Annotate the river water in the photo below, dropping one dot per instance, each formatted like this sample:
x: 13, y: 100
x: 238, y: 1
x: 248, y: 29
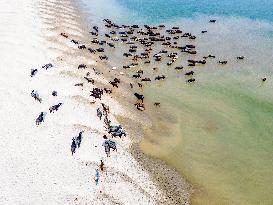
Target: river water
x: 217, y: 132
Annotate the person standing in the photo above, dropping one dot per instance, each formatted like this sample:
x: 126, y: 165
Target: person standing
x: 79, y: 139
x: 97, y: 177
x: 101, y: 165
x: 73, y: 146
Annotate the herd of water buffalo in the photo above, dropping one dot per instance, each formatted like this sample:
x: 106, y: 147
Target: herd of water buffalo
x: 145, y: 44
x: 113, y: 130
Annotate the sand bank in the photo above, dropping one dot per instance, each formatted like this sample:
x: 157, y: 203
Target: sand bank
x: 36, y: 162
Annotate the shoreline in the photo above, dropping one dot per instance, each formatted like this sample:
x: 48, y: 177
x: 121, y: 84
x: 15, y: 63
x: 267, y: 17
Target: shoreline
x: 127, y: 178
x: 176, y: 188
x: 170, y: 180
x: 167, y: 182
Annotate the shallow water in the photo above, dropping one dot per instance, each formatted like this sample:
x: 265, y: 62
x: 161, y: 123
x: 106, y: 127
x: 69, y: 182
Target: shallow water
x: 218, y: 131
x: 219, y: 135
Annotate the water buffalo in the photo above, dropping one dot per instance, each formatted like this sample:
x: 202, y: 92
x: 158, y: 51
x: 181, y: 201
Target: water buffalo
x: 55, y: 107
x: 40, y: 118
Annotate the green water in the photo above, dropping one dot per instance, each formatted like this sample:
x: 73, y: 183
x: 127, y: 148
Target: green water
x: 218, y: 133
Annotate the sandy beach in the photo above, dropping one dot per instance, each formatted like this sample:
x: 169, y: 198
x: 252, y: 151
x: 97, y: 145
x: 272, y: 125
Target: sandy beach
x: 136, y: 102
x: 36, y: 162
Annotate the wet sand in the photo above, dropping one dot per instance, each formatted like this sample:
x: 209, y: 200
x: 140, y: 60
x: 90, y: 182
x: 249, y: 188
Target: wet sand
x: 176, y: 188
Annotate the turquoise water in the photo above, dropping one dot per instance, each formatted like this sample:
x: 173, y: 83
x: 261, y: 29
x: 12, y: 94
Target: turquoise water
x: 219, y: 131
x: 161, y: 10
x: 157, y: 11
